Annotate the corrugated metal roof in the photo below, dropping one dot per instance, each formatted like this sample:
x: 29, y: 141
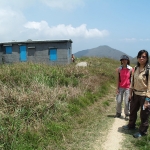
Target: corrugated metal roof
x: 36, y: 41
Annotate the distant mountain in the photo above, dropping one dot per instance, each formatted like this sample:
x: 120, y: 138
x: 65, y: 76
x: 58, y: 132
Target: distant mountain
x: 101, y: 51
x: 134, y: 61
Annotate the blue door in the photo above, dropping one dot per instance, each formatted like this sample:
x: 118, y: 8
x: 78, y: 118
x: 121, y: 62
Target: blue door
x: 23, y: 53
x: 53, y: 54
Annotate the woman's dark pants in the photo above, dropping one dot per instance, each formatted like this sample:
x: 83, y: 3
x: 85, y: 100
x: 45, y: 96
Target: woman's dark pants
x: 137, y: 103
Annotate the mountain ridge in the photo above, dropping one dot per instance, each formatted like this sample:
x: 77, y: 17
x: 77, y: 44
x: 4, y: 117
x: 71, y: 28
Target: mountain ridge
x: 101, y: 51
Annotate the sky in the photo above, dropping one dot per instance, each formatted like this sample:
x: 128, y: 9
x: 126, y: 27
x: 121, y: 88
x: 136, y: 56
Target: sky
x: 121, y: 24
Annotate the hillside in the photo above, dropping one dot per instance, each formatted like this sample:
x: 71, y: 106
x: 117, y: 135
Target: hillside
x: 59, y: 107
x: 43, y: 106
x: 101, y: 51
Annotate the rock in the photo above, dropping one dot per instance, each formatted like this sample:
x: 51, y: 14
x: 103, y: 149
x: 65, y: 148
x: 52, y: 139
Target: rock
x: 82, y: 64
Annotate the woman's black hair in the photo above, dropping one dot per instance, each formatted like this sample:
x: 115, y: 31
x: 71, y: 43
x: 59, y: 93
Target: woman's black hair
x: 139, y: 55
x: 128, y: 62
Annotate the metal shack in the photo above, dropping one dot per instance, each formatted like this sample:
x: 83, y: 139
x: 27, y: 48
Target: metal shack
x: 47, y: 51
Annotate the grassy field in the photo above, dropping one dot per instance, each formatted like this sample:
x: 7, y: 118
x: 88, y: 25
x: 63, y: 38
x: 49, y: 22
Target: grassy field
x: 56, y: 107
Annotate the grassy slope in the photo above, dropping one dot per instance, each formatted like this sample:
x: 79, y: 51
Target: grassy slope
x: 136, y: 144
x: 55, y: 107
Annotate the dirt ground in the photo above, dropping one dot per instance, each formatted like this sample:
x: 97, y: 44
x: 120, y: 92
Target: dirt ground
x: 114, y: 137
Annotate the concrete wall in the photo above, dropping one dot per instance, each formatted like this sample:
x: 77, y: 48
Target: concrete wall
x: 38, y: 52
x: 1, y: 54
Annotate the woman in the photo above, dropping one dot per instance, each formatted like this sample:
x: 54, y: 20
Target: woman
x: 140, y: 95
x: 124, y: 73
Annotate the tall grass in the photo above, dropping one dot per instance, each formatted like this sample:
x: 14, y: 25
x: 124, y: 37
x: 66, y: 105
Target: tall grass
x: 38, y: 102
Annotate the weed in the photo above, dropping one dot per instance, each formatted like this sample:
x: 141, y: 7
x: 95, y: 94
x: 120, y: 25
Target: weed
x: 106, y: 103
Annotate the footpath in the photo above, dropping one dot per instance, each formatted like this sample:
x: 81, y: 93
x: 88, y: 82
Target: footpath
x: 115, y: 137
x: 105, y: 132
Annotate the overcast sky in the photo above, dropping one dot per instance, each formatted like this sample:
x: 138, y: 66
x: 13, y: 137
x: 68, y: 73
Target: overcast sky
x: 121, y: 24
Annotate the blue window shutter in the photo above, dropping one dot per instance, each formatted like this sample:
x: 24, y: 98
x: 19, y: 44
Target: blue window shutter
x: 8, y: 49
x: 53, y: 54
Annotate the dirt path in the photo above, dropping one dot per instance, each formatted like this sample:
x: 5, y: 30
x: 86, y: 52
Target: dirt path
x: 115, y: 137
x: 107, y: 130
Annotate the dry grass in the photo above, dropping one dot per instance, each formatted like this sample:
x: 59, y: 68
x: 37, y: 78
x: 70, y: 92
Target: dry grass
x: 40, y: 104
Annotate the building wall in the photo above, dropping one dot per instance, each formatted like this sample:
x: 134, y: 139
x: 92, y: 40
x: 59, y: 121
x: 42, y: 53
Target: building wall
x: 1, y: 54
x: 39, y: 52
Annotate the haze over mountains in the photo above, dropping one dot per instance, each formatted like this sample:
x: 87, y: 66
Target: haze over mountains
x: 101, y: 51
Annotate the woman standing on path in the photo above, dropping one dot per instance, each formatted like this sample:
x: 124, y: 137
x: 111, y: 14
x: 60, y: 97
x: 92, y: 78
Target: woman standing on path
x: 140, y: 95
x: 124, y: 73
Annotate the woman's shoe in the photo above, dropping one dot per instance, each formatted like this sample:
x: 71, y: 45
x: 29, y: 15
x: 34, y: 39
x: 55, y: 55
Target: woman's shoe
x: 128, y: 128
x: 137, y: 135
x: 118, y: 115
x: 126, y: 117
